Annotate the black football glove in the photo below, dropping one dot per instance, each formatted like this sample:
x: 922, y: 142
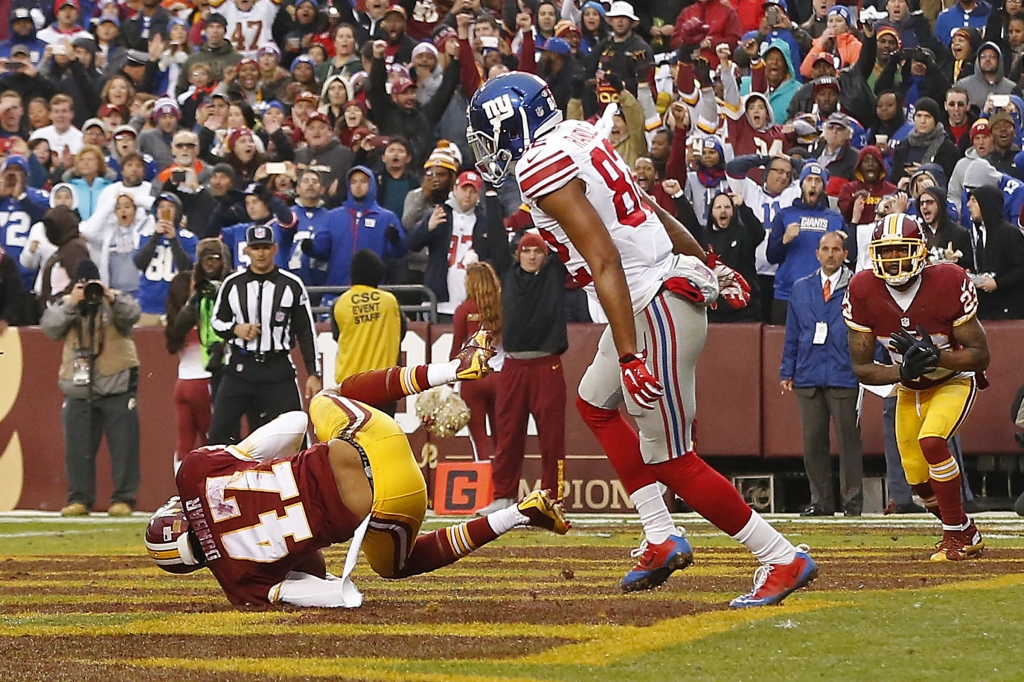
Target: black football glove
x: 306, y: 247
x: 917, y: 362
x: 903, y: 340
x: 615, y: 81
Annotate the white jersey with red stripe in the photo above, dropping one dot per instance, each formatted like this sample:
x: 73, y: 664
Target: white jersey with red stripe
x: 576, y: 149
x: 248, y: 30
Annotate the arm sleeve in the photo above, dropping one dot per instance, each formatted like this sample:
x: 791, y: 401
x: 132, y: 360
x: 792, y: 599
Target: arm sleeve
x: 127, y: 312
x: 181, y: 258
x: 468, y: 73
x: 57, y: 319
x: 866, y: 59
x: 378, y: 97
x: 776, y: 251
x: 789, y: 348
x: 439, y: 102
x: 528, y: 54
x: 145, y: 254
x: 284, y: 150
x: 634, y: 115
x: 223, y: 321
x: 302, y: 319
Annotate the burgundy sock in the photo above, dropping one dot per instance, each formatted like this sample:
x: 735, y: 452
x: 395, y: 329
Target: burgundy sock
x: 620, y: 442
x: 927, y: 495
x: 706, y: 491
x: 945, y: 480
x: 446, y: 546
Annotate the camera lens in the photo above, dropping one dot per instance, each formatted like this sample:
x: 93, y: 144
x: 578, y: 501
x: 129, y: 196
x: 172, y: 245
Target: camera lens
x: 93, y: 293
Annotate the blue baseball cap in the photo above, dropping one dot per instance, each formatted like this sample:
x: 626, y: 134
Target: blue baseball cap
x: 814, y: 168
x: 780, y: 3
x: 558, y: 46
x: 16, y: 160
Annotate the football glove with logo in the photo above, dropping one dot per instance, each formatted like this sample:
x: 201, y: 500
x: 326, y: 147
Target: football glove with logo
x: 639, y: 382
x: 920, y: 355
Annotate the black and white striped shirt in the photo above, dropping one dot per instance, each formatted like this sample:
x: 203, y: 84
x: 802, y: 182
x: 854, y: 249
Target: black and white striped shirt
x: 278, y: 302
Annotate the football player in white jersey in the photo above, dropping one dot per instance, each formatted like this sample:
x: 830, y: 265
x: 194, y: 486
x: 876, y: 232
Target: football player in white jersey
x: 590, y: 211
x: 249, y: 23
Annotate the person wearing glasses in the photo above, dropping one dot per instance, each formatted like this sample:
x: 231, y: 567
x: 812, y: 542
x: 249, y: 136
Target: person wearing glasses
x: 959, y: 117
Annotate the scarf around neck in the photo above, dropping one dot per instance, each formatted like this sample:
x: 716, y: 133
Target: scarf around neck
x: 917, y: 139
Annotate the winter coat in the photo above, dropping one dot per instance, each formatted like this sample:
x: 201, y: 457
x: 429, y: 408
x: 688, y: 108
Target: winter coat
x: 778, y: 99
x: 59, y: 270
x: 1002, y: 256
x: 809, y: 364
x: 332, y: 162
x: 845, y: 44
x: 355, y: 225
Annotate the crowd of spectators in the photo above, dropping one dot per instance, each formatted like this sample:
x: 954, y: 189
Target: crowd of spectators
x: 353, y: 115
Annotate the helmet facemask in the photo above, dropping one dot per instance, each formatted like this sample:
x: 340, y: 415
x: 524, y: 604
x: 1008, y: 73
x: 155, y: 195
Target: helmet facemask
x: 915, y: 255
x: 493, y: 164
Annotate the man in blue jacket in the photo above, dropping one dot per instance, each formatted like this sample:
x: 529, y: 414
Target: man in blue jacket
x: 794, y: 235
x: 816, y: 367
x: 359, y: 223
x: 23, y: 32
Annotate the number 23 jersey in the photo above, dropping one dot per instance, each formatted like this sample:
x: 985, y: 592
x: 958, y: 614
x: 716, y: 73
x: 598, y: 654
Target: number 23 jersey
x: 942, y: 298
x: 576, y: 149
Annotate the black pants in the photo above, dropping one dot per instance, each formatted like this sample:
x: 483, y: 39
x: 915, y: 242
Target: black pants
x: 259, y: 390
x: 85, y: 422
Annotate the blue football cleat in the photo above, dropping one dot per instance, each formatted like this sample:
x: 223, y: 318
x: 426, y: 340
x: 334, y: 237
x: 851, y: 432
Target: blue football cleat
x: 657, y: 562
x: 775, y: 582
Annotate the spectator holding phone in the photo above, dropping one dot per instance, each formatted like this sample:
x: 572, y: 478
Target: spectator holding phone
x: 988, y: 77
x: 169, y: 248
x: 835, y: 39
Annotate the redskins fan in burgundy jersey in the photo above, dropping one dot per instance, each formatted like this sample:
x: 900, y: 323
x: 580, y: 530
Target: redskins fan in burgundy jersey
x: 257, y: 514
x: 938, y: 366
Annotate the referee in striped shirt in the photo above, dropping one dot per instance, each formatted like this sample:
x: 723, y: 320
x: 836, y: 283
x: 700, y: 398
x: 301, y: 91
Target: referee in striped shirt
x: 261, y: 312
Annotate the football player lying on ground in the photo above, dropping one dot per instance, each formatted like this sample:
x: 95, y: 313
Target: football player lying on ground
x: 257, y: 514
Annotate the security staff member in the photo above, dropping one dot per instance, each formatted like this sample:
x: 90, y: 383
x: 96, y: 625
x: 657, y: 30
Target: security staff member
x: 259, y: 312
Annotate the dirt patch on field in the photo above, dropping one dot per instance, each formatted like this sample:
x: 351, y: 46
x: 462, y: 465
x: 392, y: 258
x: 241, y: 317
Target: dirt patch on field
x: 544, y: 585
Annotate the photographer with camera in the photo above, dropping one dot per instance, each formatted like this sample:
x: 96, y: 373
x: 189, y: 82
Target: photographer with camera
x: 99, y: 373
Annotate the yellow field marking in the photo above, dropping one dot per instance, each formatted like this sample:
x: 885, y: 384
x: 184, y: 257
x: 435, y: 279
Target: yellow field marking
x: 361, y: 668
x: 277, y: 623
x: 630, y: 642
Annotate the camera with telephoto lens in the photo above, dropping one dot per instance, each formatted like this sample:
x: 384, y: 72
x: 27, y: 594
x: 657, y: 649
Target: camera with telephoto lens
x: 93, y: 294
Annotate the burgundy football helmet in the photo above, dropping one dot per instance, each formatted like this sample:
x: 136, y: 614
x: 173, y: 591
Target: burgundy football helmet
x: 169, y: 542
x: 901, y: 231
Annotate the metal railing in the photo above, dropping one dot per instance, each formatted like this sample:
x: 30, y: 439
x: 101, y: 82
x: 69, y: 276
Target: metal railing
x: 427, y: 308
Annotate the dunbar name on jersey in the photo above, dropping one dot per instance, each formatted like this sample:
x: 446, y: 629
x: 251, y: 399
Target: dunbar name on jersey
x: 576, y: 149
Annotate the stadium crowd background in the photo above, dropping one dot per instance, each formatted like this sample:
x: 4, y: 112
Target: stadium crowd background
x: 342, y: 127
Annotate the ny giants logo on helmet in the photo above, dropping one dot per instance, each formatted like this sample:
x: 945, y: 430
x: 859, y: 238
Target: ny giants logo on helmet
x: 498, y: 110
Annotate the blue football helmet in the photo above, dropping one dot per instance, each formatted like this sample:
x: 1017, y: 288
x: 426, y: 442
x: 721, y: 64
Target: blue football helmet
x: 506, y: 115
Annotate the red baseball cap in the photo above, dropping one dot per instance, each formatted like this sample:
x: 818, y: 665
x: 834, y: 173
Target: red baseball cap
x: 60, y: 3
x: 402, y: 84
x: 470, y: 178
x: 318, y: 116
x: 397, y: 8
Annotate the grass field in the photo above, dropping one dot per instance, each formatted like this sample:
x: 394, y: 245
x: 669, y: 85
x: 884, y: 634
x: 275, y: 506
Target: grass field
x: 80, y: 601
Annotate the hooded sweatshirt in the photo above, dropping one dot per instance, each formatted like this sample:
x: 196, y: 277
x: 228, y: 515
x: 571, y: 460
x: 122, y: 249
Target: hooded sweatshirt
x: 978, y: 88
x: 981, y: 173
x: 757, y: 81
x: 999, y: 252
x: 61, y: 225
x: 948, y: 238
x: 355, y: 225
x: 743, y: 136
x: 35, y: 46
x: 865, y: 225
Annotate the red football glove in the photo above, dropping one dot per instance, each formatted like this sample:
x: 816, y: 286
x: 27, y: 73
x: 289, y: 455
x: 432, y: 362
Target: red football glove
x: 642, y: 386
x: 681, y: 286
x: 731, y: 285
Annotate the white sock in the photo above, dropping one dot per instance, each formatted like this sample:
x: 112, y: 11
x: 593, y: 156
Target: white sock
x: 654, y: 516
x: 504, y: 520
x: 439, y: 373
x: 767, y: 544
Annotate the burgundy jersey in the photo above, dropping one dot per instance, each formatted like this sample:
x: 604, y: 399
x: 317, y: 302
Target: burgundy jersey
x: 941, y: 298
x: 258, y: 521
